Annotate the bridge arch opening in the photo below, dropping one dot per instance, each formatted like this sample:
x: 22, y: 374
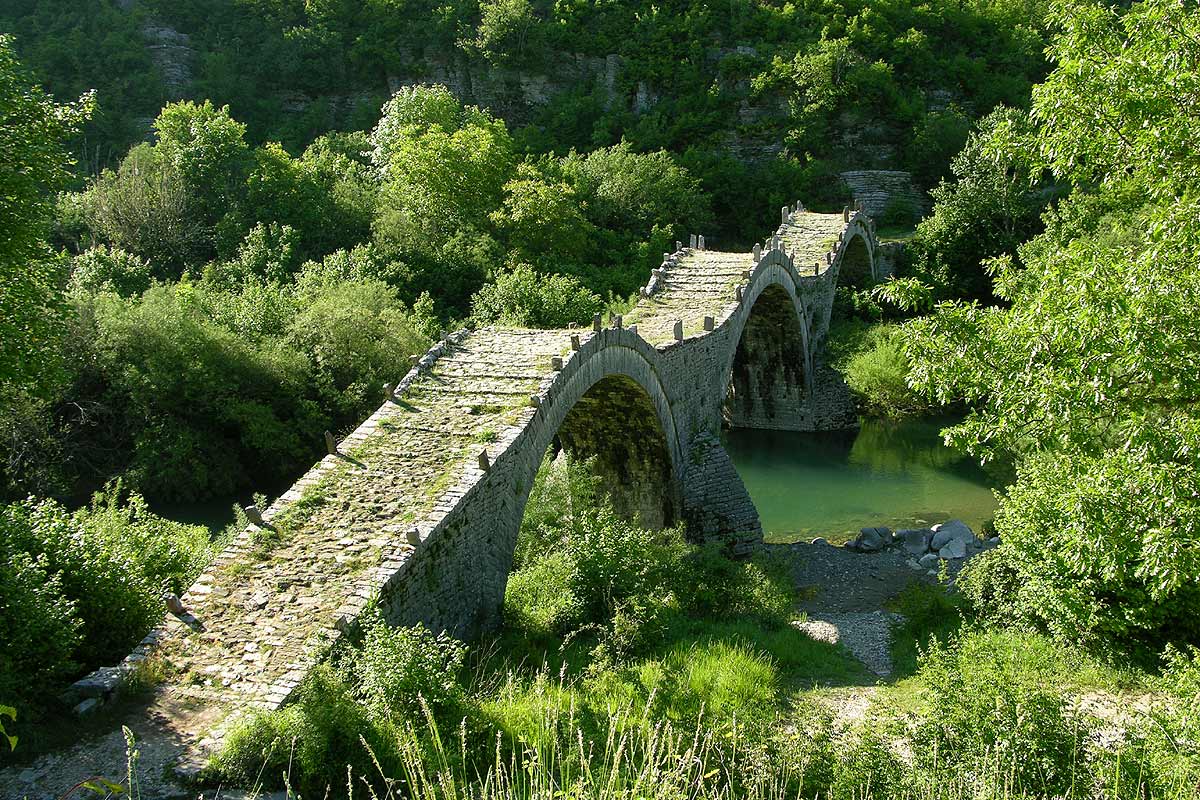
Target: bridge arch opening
x: 857, y: 269
x: 615, y: 426
x: 768, y: 380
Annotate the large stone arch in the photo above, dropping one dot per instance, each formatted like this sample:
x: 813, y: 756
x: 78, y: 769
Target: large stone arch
x: 610, y: 402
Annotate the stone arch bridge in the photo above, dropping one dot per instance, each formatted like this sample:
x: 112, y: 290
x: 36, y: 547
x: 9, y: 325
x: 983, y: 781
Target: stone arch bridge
x: 420, y: 506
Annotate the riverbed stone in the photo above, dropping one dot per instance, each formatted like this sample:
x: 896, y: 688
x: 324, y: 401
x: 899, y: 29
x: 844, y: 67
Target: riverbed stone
x: 871, y: 540
x: 948, y: 531
x: 955, y: 548
x: 915, y: 540
x: 928, y: 561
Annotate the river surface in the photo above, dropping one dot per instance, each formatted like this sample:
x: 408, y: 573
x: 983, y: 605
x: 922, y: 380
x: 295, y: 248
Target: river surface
x: 831, y: 484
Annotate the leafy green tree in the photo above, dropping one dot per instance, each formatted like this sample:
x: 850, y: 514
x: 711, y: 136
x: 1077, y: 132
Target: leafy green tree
x: 444, y: 169
x: 144, y: 207
x: 632, y: 191
x: 109, y: 269
x: 1088, y: 373
x: 525, y: 298
x: 541, y: 218
x: 208, y: 149
x: 33, y: 164
x: 506, y: 28
x: 990, y: 208
x: 326, y: 196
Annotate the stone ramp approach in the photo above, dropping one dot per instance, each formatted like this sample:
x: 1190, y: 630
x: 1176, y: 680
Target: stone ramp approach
x: 419, y: 509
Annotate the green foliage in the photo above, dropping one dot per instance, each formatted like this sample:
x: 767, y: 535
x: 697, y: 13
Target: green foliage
x: 506, y: 28
x: 522, y: 297
x: 1081, y: 374
x: 541, y: 219
x: 443, y: 166
x: 1090, y: 551
x: 878, y: 375
x: 109, y: 269
x: 144, y: 207
x: 991, y: 207
x: 203, y: 409
x: 39, y: 625
x: 208, y: 149
x: 33, y: 161
x: 81, y: 589
x: 399, y: 672
x: 994, y: 709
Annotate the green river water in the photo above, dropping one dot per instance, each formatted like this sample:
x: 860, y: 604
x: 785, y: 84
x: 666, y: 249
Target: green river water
x: 832, y: 484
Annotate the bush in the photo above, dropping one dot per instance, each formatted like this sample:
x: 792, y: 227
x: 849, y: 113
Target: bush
x: 996, y: 714
x: 310, y: 746
x: 102, y: 574
x: 524, y: 298
x: 1090, y: 549
x: 38, y: 627
x: 109, y: 269
x: 204, y: 411
x: 396, y: 671
x: 878, y: 375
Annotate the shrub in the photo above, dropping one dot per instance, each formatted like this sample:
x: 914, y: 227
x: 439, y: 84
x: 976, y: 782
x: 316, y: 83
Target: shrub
x: 86, y: 587
x: 395, y: 671
x: 878, y: 375
x: 38, y: 627
x: 310, y: 746
x: 996, y: 713
x: 540, y: 598
x: 109, y: 269
x: 1090, y: 548
x: 525, y: 298
x: 202, y: 409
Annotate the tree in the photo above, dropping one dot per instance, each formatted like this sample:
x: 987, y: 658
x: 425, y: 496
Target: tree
x: 524, y: 298
x: 33, y: 164
x: 542, y: 218
x: 505, y: 29
x: 444, y: 168
x: 208, y: 148
x: 1089, y: 376
x: 144, y: 207
x: 990, y: 208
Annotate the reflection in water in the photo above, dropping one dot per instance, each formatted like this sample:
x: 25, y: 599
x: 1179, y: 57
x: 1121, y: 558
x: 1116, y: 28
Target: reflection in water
x: 832, y: 484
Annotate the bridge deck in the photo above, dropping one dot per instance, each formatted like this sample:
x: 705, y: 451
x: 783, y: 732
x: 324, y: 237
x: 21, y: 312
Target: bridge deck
x: 270, y: 603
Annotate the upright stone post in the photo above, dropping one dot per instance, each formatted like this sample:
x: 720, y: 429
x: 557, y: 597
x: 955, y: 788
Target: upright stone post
x: 692, y: 241
x: 575, y: 341
x: 331, y: 444
x: 709, y: 324
x: 757, y: 252
x: 677, y: 330
x: 845, y: 213
x: 596, y: 323
x: 700, y: 242
x: 255, y: 516
x: 784, y: 215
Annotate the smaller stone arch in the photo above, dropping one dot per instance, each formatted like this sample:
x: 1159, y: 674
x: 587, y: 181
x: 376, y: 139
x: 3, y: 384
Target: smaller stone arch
x: 767, y: 375
x: 856, y: 264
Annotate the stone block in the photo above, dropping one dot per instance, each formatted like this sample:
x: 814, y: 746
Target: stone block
x: 915, y: 540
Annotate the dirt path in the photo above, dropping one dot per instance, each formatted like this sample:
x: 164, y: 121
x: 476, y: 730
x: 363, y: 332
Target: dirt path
x: 845, y: 596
